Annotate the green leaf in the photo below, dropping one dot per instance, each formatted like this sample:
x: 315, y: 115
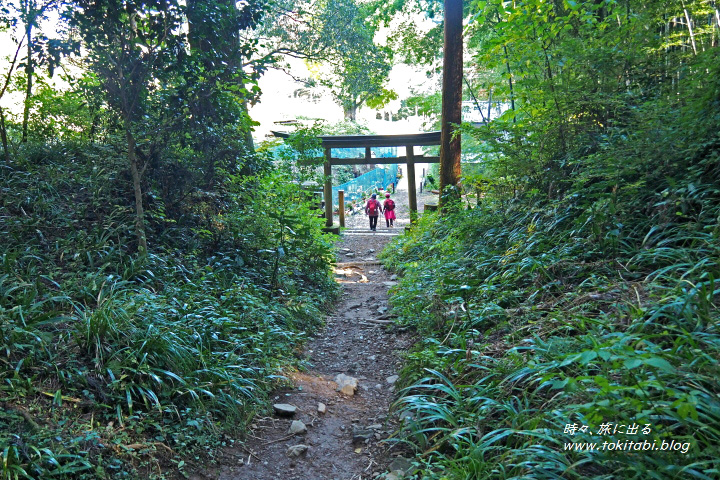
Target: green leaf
x: 660, y: 363
x: 558, y: 384
x: 631, y: 363
x: 588, y: 356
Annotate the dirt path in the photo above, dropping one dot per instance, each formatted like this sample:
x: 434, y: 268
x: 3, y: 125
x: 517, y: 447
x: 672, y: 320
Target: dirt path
x: 359, y: 341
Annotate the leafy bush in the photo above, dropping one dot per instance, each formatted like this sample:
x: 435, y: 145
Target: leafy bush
x: 108, y: 355
x: 582, y: 290
x: 533, y: 323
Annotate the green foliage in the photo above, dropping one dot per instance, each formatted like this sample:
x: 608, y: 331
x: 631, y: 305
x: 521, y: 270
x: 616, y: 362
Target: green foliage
x: 304, y: 152
x: 582, y: 289
x: 112, y: 364
x: 411, y: 39
x: 359, y: 73
x: 301, y: 152
x: 534, y: 322
x: 106, y: 356
x: 339, y: 35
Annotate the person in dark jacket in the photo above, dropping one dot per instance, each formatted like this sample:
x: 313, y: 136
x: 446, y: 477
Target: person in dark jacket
x: 372, y: 210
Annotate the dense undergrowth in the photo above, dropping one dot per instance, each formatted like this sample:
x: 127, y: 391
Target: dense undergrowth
x: 540, y: 317
x: 533, y: 328
x: 118, y: 364
x: 577, y: 302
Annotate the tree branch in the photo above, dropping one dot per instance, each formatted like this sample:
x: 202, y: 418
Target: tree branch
x: 12, y: 66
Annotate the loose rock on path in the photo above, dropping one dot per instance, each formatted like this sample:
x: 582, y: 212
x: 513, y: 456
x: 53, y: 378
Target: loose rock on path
x: 342, y: 402
x: 344, y: 398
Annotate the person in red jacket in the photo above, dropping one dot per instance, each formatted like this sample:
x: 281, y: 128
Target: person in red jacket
x: 372, y: 209
x: 389, y: 209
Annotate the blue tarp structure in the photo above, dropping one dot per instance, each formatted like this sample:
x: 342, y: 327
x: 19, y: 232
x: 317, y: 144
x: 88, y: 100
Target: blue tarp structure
x: 378, y: 152
x: 380, y: 177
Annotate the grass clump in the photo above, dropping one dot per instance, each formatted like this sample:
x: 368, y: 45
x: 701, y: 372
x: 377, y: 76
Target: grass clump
x: 116, y: 365
x: 571, y: 305
x: 537, y: 339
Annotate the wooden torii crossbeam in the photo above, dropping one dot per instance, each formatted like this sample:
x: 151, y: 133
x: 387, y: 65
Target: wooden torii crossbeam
x: 408, y: 141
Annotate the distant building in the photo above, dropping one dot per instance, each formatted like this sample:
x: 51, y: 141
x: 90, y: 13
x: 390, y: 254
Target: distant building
x: 472, y: 114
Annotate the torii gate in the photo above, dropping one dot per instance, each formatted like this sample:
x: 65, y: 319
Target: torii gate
x: 367, y: 142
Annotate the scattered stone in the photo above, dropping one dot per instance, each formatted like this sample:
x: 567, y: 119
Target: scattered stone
x: 369, y: 259
x: 382, y: 310
x: 389, y: 284
x: 349, y: 254
x: 345, y: 249
x: 375, y: 426
x: 393, y: 476
x: 393, y: 278
x: 297, y: 427
x: 371, y: 250
x: 362, y: 434
x: 346, y: 384
x: 392, y: 379
x: 372, y: 358
x: 401, y: 464
x: 321, y: 407
x: 297, y: 450
x: 285, y: 409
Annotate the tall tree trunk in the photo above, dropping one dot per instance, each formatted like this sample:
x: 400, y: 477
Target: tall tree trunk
x: 512, y: 92
x: 29, y: 66
x: 6, y: 83
x: 136, y: 173
x: 350, y: 113
x: 716, y: 24
x: 561, y: 118
x: 451, y: 101
x: 489, y: 105
x: 690, y: 29
x: 3, y: 135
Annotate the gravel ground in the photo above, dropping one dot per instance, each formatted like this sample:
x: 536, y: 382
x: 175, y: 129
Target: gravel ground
x: 359, y: 341
x: 359, y: 220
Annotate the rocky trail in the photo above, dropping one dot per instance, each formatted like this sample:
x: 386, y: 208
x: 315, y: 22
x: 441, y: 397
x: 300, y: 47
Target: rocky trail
x: 332, y: 423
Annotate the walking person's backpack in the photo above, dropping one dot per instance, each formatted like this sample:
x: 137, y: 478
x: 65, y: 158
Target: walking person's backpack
x: 389, y: 204
x: 372, y: 207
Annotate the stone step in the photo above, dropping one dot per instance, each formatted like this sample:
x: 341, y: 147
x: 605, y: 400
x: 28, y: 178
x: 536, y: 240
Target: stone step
x: 385, y: 233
